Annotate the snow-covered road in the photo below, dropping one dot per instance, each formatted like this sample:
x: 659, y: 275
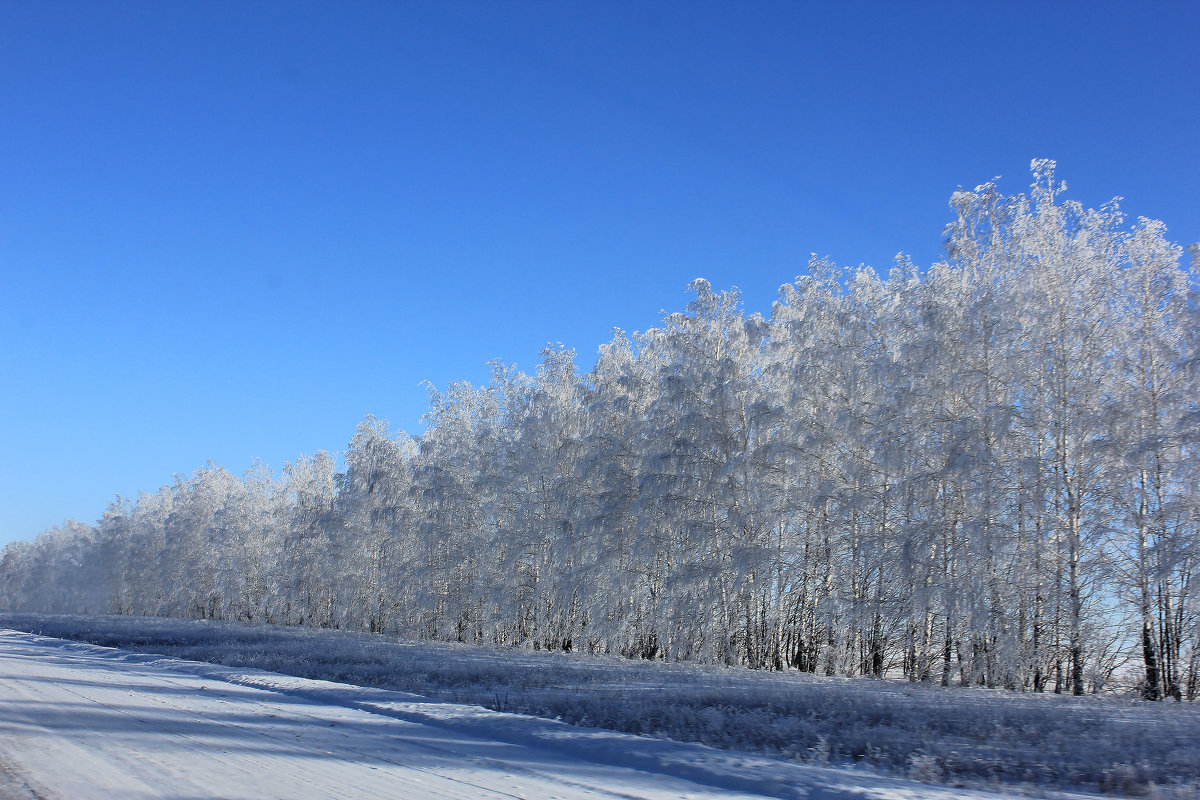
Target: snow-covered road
x: 81, y: 722
x: 75, y: 724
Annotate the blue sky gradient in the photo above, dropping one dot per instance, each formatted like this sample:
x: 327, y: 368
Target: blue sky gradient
x: 228, y: 230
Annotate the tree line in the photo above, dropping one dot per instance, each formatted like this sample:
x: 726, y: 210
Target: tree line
x: 983, y: 473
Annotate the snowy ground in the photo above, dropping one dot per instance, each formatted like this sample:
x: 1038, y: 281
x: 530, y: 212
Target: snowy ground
x: 82, y: 721
x: 989, y: 739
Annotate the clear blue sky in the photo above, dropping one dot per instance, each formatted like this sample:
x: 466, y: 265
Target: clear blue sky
x: 229, y: 230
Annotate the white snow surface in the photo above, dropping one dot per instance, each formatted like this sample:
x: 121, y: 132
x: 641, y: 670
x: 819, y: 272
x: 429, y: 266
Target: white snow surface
x: 81, y: 721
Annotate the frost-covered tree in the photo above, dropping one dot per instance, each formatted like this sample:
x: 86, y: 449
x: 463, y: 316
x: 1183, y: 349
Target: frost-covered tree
x: 981, y: 473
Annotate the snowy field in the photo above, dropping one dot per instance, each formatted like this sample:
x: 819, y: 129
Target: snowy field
x: 81, y: 721
x: 783, y: 735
